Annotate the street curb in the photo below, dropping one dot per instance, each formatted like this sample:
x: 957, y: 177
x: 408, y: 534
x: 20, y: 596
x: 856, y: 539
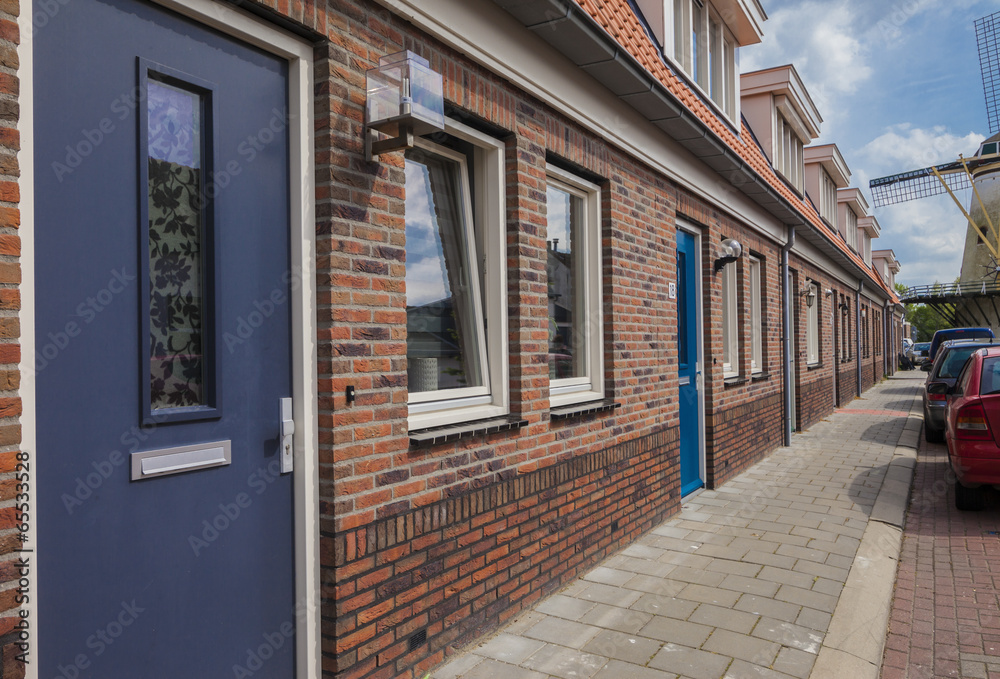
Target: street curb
x: 855, y: 639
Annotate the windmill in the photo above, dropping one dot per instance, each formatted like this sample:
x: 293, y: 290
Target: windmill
x: 973, y: 300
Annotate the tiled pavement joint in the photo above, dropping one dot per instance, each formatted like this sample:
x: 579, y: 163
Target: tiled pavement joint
x: 856, y: 637
x: 784, y: 572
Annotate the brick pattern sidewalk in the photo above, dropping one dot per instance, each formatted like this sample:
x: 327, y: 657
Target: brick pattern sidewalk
x: 741, y: 583
x: 945, y: 619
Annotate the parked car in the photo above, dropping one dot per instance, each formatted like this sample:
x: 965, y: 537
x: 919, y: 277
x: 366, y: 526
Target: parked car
x: 973, y: 427
x: 944, y: 370
x: 957, y: 333
x: 920, y: 351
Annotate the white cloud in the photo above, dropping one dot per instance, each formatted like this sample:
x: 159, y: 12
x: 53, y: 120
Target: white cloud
x: 902, y: 147
x: 820, y: 39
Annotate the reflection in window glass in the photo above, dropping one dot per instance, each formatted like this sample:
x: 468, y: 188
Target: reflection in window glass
x: 444, y: 345
x: 567, y: 336
x: 176, y: 234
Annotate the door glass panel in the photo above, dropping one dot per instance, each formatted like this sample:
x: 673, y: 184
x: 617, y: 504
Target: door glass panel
x: 176, y: 239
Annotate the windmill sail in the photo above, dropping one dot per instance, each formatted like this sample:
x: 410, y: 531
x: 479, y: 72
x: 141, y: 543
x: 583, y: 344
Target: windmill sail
x: 989, y: 62
x: 899, y: 188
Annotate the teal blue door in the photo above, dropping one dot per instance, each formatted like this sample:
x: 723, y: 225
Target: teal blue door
x: 166, y: 532
x: 688, y: 362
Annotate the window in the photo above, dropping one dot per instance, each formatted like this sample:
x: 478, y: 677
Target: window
x: 812, y: 326
x: 455, y: 279
x: 576, y: 342
x: 730, y: 322
x: 852, y: 229
x: 705, y: 49
x: 828, y: 198
x: 788, y: 158
x: 845, y: 328
x: 756, y: 339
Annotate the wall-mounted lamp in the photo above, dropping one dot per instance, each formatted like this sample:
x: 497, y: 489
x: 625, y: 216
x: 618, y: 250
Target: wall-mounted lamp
x: 405, y: 99
x: 809, y: 292
x: 828, y: 292
x: 729, y: 251
x: 864, y: 312
x: 844, y: 308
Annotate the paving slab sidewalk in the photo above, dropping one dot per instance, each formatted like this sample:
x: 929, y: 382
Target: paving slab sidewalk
x: 785, y: 571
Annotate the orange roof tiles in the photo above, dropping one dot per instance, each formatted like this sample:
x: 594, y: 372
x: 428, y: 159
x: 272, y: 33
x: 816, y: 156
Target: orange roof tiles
x: 619, y: 21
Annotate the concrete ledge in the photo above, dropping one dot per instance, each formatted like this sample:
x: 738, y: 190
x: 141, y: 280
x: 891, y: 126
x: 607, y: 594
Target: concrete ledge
x: 834, y: 664
x: 858, y: 629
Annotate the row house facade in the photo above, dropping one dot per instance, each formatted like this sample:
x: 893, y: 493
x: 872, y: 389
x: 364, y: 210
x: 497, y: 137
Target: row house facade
x: 283, y: 397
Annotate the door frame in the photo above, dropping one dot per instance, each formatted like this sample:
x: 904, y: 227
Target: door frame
x: 696, y: 232
x: 298, y: 53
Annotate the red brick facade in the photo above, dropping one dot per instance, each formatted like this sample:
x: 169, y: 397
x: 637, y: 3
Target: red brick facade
x: 425, y: 548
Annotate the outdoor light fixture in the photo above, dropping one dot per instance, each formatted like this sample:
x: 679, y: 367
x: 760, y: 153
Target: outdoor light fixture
x: 828, y: 292
x: 405, y: 100
x: 844, y: 308
x: 729, y: 251
x: 864, y: 312
x: 809, y: 292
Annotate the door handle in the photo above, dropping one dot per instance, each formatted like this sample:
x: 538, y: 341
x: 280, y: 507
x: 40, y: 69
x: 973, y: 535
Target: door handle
x: 287, y: 438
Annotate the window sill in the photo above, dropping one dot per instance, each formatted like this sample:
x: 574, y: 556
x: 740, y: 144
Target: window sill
x: 734, y: 380
x: 435, y: 435
x: 581, y: 409
x: 758, y: 377
x: 813, y: 366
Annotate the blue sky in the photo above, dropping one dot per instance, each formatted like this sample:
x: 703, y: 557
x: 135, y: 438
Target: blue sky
x: 899, y: 87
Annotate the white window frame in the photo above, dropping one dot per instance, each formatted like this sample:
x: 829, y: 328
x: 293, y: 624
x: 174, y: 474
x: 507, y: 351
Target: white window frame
x: 788, y: 152
x: 756, y: 335
x: 851, y: 229
x: 715, y: 53
x: 488, y: 219
x: 812, y: 326
x: 730, y: 322
x: 828, y: 198
x: 590, y: 386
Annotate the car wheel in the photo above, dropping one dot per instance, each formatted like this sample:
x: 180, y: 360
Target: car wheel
x: 932, y: 435
x: 969, y: 499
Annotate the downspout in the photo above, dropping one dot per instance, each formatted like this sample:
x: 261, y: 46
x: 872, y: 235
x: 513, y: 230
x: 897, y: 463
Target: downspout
x: 833, y: 342
x: 888, y: 367
x: 857, y: 328
x: 786, y: 348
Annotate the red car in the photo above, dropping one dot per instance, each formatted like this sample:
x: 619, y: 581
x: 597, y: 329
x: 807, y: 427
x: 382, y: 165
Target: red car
x: 973, y: 428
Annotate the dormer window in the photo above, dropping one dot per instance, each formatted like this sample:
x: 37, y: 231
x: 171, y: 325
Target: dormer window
x: 788, y: 152
x: 702, y: 46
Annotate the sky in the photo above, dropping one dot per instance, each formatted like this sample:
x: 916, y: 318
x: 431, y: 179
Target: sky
x: 899, y: 88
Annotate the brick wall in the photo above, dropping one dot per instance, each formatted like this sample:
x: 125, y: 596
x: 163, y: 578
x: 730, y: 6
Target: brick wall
x: 454, y: 570
x: 848, y: 383
x: 741, y: 435
x: 10, y: 333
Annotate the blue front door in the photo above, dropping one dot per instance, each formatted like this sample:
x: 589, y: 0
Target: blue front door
x: 163, y: 324
x: 688, y: 364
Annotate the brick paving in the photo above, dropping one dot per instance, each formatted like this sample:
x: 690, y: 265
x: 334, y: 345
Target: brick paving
x: 742, y: 582
x: 945, y: 619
